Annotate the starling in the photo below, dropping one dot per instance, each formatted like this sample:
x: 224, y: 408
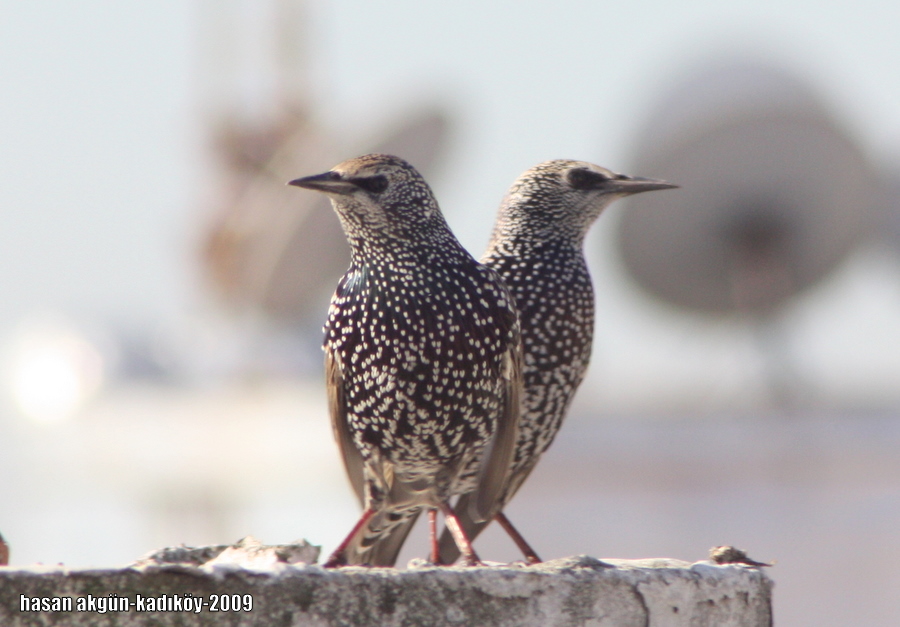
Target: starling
x: 422, y: 362
x: 537, y: 247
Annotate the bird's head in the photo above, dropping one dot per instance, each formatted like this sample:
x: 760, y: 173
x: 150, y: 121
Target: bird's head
x: 378, y: 195
x: 567, y: 196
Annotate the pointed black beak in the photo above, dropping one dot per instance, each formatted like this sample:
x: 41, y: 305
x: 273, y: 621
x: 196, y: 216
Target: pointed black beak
x: 638, y: 184
x: 330, y: 182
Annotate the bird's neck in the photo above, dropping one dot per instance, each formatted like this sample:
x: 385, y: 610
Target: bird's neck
x: 528, y: 237
x: 406, y: 256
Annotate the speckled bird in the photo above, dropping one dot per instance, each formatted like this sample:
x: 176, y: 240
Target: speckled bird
x: 422, y: 361
x: 537, y: 247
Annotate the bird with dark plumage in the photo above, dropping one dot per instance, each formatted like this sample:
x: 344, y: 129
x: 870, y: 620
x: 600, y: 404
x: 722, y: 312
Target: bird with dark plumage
x: 537, y: 247
x: 422, y: 361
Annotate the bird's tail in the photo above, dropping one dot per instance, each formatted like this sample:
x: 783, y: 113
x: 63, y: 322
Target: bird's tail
x: 379, y: 541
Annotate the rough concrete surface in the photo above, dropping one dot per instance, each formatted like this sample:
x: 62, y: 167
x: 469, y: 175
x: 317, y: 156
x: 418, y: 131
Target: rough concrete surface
x: 257, y: 585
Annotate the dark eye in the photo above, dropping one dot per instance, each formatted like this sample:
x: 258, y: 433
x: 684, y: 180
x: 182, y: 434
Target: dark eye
x: 373, y: 184
x: 585, y: 179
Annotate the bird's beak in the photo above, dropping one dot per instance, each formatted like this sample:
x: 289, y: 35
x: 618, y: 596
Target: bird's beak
x: 330, y: 182
x: 638, y: 184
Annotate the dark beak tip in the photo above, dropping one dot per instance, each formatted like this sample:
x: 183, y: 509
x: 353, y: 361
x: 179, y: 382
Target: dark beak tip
x: 649, y: 185
x: 327, y: 182
x: 657, y: 184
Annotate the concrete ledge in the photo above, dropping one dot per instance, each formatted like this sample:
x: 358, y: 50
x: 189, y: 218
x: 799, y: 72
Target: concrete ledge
x: 273, y: 586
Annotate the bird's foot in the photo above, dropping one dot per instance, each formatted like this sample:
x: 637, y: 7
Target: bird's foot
x: 469, y: 556
x: 530, y: 554
x: 335, y: 561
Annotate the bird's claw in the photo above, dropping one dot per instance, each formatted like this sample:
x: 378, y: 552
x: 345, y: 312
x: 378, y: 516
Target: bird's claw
x: 335, y: 561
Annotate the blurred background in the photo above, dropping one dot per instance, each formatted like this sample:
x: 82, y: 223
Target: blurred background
x: 162, y: 292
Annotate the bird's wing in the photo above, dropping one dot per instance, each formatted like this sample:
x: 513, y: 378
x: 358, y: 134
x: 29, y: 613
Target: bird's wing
x: 337, y: 406
x: 498, y: 455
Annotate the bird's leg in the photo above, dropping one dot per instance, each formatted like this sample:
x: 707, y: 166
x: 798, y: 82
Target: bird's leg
x: 459, y: 536
x: 530, y: 556
x: 432, y: 526
x: 338, y: 558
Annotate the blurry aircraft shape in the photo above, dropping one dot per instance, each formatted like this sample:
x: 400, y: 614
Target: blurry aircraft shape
x: 775, y: 193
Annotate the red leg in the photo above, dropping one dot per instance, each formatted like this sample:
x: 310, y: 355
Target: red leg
x: 459, y: 536
x: 338, y: 558
x: 432, y: 526
x: 530, y: 556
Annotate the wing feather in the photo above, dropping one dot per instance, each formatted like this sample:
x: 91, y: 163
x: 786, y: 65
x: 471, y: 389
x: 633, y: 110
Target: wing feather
x: 337, y: 406
x: 499, y: 453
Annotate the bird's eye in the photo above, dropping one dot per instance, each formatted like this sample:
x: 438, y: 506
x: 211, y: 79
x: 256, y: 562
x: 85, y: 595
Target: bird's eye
x: 585, y: 179
x: 373, y: 184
